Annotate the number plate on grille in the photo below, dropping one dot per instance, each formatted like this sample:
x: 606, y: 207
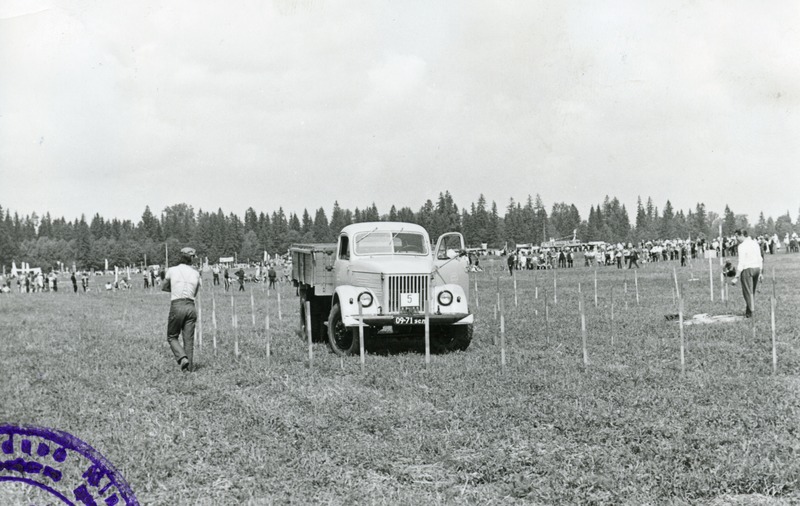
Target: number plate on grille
x: 409, y: 300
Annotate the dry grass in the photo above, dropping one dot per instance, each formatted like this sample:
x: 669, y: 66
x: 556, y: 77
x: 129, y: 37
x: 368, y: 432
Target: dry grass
x: 628, y: 429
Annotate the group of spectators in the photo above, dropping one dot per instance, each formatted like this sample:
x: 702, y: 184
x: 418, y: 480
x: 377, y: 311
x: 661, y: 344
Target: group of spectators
x: 630, y: 255
x: 547, y: 258
x: 271, y: 273
x: 31, y: 282
x: 767, y: 244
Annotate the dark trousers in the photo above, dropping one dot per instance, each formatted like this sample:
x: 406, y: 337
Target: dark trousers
x: 182, y: 318
x: 749, y: 280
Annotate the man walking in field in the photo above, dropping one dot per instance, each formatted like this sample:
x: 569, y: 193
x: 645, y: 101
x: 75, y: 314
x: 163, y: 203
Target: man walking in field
x: 183, y: 282
x: 748, y: 269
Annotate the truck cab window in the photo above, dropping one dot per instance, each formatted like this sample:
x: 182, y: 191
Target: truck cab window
x: 450, y: 247
x: 344, y: 248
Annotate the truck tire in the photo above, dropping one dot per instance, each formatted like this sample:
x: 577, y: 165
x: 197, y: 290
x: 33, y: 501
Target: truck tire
x: 454, y: 338
x: 342, y: 341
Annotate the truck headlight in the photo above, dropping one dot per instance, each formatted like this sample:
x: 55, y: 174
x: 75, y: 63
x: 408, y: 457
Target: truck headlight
x: 365, y: 298
x: 445, y: 298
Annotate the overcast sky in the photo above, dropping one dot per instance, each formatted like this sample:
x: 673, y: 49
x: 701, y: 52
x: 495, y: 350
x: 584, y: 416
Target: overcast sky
x: 110, y: 106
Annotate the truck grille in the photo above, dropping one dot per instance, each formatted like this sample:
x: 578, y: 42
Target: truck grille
x: 408, y: 283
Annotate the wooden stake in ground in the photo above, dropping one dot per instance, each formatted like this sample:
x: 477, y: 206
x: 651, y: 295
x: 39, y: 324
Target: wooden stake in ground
x: 498, y: 296
x: 214, y: 321
x: 199, y: 324
x: 428, y: 331
x: 309, y: 334
x: 280, y: 315
x: 555, y: 287
x: 636, y: 282
x: 546, y: 317
x: 253, y: 308
x: 677, y: 288
x: 711, y: 279
x: 680, y: 322
x: 774, y: 348
x: 595, y: 287
x: 583, y: 332
x: 502, y: 339
x: 477, y: 296
x: 515, y: 290
x: 361, y: 333
x: 235, y: 329
x: 612, y: 317
x: 269, y: 338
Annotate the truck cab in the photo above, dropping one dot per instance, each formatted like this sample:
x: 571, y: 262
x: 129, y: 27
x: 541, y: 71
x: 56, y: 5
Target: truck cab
x: 388, y: 276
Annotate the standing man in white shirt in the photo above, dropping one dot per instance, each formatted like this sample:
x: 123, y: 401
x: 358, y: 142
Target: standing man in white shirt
x: 748, y: 269
x: 183, y: 282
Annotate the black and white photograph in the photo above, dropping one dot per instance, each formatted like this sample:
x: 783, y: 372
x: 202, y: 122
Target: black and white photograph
x: 399, y: 253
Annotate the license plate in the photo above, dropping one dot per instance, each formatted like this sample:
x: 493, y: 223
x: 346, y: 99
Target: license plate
x: 409, y: 300
x: 408, y: 320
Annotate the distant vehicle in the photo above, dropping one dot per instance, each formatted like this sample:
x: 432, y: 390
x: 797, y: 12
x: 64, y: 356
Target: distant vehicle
x: 390, y: 269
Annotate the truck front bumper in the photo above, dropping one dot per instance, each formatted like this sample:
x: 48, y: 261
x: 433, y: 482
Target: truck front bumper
x: 411, y: 320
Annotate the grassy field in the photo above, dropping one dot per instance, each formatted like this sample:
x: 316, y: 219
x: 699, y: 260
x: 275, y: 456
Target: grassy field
x: 630, y: 428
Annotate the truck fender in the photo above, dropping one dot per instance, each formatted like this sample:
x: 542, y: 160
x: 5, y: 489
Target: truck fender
x: 460, y: 303
x: 347, y: 297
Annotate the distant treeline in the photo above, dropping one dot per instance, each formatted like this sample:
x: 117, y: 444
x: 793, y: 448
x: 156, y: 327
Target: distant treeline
x: 43, y: 241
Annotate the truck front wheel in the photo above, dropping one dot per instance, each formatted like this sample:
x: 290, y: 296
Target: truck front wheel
x: 343, y: 341
x: 454, y: 338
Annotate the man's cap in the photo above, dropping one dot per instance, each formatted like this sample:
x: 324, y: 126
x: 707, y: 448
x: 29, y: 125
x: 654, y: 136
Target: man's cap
x: 188, y: 251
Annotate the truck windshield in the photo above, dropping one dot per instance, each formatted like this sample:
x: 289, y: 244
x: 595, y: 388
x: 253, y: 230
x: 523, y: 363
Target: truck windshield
x: 387, y: 243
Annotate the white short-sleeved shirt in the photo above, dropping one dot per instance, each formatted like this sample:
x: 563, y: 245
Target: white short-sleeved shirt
x: 184, y: 282
x: 749, y: 256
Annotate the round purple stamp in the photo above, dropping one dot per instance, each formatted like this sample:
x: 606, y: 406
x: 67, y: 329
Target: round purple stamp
x: 61, y: 465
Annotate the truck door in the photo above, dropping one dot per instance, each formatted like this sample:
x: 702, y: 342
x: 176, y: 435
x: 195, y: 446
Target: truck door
x: 450, y: 261
x: 342, y: 264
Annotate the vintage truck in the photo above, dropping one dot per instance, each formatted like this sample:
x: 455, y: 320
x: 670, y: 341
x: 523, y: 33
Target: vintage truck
x: 391, y: 269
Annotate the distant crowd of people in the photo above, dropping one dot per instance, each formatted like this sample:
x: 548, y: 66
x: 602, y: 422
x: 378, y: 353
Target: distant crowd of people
x: 630, y: 255
x: 271, y: 272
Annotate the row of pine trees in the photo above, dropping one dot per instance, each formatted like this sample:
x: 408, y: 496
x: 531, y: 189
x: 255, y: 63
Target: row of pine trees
x: 43, y: 241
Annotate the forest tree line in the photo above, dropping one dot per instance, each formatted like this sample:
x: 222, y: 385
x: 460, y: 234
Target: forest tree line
x: 43, y: 241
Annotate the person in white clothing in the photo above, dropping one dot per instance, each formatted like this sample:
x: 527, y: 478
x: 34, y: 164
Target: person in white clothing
x: 183, y: 282
x: 749, y: 269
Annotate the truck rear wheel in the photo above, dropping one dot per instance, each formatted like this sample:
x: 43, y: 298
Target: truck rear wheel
x: 317, y: 320
x: 454, y: 338
x: 342, y: 341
